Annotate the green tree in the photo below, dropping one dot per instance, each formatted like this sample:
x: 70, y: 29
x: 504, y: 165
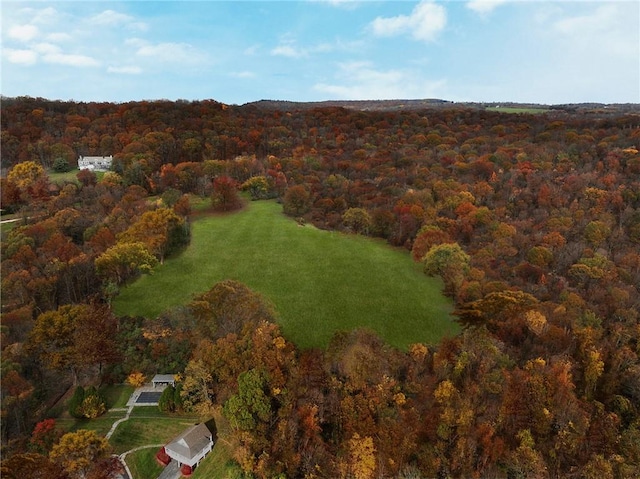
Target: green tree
x: 166, y: 403
x: 450, y: 262
x: 251, y: 405
x: 597, y: 232
x: 75, y: 403
x: 357, y: 220
x: 60, y: 165
x: 170, y: 197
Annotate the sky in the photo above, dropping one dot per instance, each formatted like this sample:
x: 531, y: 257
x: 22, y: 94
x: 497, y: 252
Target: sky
x: 235, y: 52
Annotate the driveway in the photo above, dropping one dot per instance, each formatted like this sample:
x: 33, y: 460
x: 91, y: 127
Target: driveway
x: 172, y: 471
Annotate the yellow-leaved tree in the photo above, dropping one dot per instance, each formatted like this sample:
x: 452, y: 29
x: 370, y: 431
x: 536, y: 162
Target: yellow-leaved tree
x: 77, y: 451
x: 362, y: 456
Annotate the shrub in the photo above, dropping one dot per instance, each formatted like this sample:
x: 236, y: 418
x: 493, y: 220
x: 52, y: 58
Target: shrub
x: 60, y: 165
x: 171, y: 401
x: 75, y: 403
x: 166, y: 402
x: 87, y: 403
x: 297, y: 201
x: 93, y: 406
x: 136, y: 379
x: 177, y: 397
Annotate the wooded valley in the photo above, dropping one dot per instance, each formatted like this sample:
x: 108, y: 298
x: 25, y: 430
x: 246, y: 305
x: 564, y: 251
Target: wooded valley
x: 532, y: 221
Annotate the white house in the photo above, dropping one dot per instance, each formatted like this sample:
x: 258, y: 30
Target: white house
x: 95, y: 163
x: 191, y: 446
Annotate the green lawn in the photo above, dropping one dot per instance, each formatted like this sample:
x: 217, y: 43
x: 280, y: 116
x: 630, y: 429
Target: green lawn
x: 138, y: 431
x: 116, y: 396
x: 71, y: 175
x: 143, y: 464
x: 219, y: 462
x: 101, y: 424
x: 319, y: 281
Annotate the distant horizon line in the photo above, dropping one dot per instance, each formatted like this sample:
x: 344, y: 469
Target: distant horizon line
x: 266, y: 100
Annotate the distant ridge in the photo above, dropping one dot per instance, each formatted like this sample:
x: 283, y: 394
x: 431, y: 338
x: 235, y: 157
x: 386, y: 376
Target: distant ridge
x: 361, y: 105
x: 430, y: 103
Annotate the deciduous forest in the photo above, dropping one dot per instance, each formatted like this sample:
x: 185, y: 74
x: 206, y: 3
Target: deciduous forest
x: 531, y: 220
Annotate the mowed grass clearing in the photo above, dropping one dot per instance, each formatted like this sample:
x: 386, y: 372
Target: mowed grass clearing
x: 319, y: 281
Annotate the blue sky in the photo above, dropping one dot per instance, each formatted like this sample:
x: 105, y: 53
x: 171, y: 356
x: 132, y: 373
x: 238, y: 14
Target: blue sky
x: 241, y: 51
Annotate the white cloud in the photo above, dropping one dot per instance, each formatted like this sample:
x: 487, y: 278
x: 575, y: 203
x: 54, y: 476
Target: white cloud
x: 47, y: 15
x: 39, y: 16
x: 611, y: 30
x: 424, y: 23
x: 53, y: 54
x: 361, y: 81
x: 59, y: 37
x: 110, y: 17
x: 485, y: 7
x: 23, y: 33
x: 21, y: 57
x: 47, y: 48
x: 168, y: 52
x: 70, y: 59
x: 126, y: 70
x: 288, y: 51
x: 599, y: 20
x: 113, y: 18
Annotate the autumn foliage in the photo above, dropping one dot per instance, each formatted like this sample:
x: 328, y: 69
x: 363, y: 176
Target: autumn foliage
x: 532, y: 222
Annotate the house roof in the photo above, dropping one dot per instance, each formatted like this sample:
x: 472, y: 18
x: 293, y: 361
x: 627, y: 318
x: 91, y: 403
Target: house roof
x: 163, y: 378
x: 190, y: 442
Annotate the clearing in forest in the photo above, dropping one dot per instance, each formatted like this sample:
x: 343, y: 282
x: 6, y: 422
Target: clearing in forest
x: 319, y: 281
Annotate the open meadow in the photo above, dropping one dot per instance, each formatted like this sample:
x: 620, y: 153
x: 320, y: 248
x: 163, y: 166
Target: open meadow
x: 319, y: 281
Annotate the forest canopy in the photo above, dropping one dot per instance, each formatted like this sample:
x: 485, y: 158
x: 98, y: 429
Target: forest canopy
x: 532, y: 222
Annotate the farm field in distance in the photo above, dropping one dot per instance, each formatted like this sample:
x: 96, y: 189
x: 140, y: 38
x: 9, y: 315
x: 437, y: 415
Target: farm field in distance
x: 319, y: 281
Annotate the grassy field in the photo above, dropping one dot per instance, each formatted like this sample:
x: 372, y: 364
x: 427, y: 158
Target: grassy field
x: 101, y: 424
x: 319, y: 281
x: 143, y: 464
x: 140, y: 431
x: 511, y: 109
x: 218, y: 463
x: 116, y: 396
x: 71, y: 176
